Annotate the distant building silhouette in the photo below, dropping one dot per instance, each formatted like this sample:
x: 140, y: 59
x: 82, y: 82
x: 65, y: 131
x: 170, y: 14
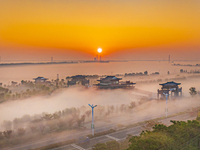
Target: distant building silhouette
x: 51, y: 59
x: 40, y: 80
x: 97, y: 57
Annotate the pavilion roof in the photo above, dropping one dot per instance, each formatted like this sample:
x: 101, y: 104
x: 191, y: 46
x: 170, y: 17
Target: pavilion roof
x: 40, y: 78
x: 108, y: 78
x: 78, y: 76
x: 172, y: 83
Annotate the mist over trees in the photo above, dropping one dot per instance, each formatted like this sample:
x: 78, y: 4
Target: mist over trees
x: 67, y: 119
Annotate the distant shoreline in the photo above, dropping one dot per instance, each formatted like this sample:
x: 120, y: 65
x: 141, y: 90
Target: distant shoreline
x: 187, y: 65
x: 49, y: 63
x: 42, y: 63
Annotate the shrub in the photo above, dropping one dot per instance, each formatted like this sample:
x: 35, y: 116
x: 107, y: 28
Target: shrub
x: 21, y: 131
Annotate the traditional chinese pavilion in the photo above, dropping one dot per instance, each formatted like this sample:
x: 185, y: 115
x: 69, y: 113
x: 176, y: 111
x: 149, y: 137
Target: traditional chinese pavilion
x: 40, y: 80
x: 170, y: 86
x: 112, y: 82
x: 78, y: 79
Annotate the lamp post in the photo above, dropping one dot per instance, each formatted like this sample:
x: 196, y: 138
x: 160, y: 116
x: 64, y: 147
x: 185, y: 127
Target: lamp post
x: 167, y: 95
x: 92, y: 126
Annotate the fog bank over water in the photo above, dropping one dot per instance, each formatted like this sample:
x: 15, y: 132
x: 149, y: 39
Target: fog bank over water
x: 77, y: 96
x: 71, y: 97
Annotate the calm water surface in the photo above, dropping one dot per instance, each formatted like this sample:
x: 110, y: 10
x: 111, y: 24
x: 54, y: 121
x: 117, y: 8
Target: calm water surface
x: 28, y: 72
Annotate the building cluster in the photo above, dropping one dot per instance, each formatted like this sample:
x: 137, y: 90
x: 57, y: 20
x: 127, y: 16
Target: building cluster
x: 112, y: 82
x: 78, y: 79
x: 171, y: 89
x: 97, y: 58
x: 109, y: 82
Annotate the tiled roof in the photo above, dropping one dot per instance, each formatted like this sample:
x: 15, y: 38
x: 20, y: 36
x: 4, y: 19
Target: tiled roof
x: 78, y: 76
x: 40, y: 78
x: 170, y: 83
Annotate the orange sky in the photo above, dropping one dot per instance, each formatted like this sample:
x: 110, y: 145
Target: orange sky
x: 74, y: 29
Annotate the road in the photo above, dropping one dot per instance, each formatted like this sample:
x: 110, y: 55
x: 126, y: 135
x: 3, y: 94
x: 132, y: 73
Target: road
x: 120, y: 135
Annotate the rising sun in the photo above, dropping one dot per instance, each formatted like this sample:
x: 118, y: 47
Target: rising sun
x: 99, y: 50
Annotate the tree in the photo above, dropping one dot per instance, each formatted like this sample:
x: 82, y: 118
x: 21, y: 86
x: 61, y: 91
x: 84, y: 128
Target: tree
x: 48, y: 117
x: 61, y: 124
x: 16, y: 123
x: 21, y: 131
x: 81, y: 120
x: 176, y: 136
x: 8, y: 134
x: 88, y: 113
x: 100, y: 109
x: 33, y: 128
x: 22, y: 82
x: 1, y: 135
x: 198, y: 116
x: 193, y: 91
x: 149, y: 141
x: 70, y: 122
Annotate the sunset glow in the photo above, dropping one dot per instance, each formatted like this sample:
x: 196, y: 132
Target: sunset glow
x: 49, y: 27
x: 99, y: 50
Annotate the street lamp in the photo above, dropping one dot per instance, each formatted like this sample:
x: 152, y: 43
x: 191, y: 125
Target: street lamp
x: 92, y: 126
x: 167, y: 95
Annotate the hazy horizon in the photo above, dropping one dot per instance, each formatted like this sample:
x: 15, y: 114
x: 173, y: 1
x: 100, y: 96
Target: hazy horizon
x: 38, y: 30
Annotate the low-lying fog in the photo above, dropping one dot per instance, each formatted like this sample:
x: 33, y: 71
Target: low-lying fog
x: 77, y: 96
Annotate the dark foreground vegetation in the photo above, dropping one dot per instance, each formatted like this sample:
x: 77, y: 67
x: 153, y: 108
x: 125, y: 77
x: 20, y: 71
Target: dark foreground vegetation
x: 178, y: 136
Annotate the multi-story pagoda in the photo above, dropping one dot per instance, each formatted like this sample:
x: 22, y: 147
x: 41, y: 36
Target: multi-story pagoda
x: 112, y: 82
x: 170, y: 86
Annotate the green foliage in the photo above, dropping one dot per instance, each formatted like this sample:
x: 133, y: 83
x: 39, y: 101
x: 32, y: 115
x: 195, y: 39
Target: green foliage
x: 163, y: 137
x: 110, y: 145
x: 193, y: 91
x: 150, y: 141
